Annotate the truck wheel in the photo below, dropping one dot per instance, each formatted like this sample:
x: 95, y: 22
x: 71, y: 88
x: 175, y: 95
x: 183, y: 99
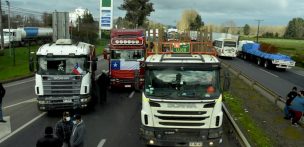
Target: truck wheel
x: 266, y: 64
x: 245, y: 57
x: 259, y: 62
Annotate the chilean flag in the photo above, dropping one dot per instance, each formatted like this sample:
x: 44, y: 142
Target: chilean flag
x: 77, y: 70
x: 123, y: 69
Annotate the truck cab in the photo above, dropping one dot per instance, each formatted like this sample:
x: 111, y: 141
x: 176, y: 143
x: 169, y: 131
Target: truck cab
x: 226, y: 47
x: 65, y: 75
x: 127, y: 53
x: 182, y: 100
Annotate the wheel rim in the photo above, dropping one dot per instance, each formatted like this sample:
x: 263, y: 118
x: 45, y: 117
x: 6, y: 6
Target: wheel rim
x: 266, y: 64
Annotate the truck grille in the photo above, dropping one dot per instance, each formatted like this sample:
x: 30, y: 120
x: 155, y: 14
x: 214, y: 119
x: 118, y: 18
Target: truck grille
x: 182, y: 115
x: 181, y: 118
x: 66, y: 86
x: 180, y: 124
x: 183, y: 112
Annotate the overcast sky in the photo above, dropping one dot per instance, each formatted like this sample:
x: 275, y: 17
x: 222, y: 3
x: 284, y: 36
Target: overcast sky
x: 273, y: 12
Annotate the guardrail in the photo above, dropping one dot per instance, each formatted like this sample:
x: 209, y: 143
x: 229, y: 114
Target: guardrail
x: 272, y: 96
x: 240, y: 136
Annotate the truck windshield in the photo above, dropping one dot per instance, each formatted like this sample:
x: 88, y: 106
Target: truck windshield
x: 62, y: 65
x: 230, y: 44
x: 182, y: 84
x: 127, y: 54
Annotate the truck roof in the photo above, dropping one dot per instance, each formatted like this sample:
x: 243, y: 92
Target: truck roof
x: 65, y: 49
x: 182, y: 58
x: 117, y: 32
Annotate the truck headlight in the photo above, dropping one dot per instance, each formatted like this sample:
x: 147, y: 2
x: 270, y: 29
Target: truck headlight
x: 84, y: 100
x: 148, y: 133
x: 216, y: 134
x: 41, y: 102
x: 275, y: 61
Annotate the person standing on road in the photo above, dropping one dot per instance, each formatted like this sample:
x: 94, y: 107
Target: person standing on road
x: 297, y: 108
x: 49, y: 140
x: 290, y: 96
x: 63, y: 129
x: 78, y: 133
x: 102, y: 82
x: 2, y: 93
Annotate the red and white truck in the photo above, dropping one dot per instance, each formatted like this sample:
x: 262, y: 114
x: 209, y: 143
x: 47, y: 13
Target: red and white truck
x: 127, y: 54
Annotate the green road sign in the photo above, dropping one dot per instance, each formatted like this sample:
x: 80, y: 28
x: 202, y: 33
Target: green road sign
x: 182, y: 48
x: 106, y: 3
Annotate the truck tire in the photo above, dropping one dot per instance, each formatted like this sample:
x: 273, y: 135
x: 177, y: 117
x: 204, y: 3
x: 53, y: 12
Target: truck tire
x: 259, y: 61
x: 266, y: 64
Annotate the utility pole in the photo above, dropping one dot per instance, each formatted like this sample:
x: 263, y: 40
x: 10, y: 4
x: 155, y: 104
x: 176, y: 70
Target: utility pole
x: 259, y: 21
x: 9, y: 25
x: 1, y: 31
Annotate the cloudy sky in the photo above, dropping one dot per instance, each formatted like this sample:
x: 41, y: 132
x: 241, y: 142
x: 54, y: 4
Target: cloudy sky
x: 273, y: 12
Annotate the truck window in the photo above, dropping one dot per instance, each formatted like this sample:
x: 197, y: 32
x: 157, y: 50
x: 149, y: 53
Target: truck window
x: 127, y: 54
x: 60, y: 65
x: 230, y: 44
x: 177, y: 83
x: 219, y: 44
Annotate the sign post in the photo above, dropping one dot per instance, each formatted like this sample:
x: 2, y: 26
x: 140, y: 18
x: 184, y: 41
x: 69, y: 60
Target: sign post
x: 106, y: 15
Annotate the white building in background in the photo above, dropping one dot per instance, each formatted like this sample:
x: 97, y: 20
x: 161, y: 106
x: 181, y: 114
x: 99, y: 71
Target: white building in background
x: 79, y: 12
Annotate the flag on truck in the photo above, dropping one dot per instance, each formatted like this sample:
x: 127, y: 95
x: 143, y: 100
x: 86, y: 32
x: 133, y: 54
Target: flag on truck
x: 123, y: 69
x: 77, y: 70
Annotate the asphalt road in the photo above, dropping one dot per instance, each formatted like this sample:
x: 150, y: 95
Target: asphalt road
x: 280, y: 82
x: 115, y: 124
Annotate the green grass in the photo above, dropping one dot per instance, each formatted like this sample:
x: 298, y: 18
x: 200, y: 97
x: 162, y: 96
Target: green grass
x: 291, y: 47
x: 254, y: 132
x: 9, y: 71
x: 100, y: 45
x: 21, y: 68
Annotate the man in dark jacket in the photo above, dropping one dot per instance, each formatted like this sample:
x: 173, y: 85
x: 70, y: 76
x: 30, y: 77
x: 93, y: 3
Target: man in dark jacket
x: 49, y: 140
x: 102, y: 83
x: 2, y: 93
x: 290, y: 96
x: 63, y: 129
x: 78, y: 133
x: 297, y: 108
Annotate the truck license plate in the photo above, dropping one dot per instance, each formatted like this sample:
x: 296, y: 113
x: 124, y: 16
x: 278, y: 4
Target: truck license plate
x: 67, y: 101
x: 127, y: 86
x: 196, y: 144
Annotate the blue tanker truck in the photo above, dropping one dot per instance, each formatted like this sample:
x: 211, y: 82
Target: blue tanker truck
x: 251, y: 51
x: 23, y: 35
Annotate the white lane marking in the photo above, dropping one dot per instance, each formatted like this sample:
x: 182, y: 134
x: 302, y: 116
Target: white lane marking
x: 22, y: 127
x: 11, y: 85
x: 269, y: 73
x: 5, y: 127
x: 101, y: 143
x: 27, y: 101
x: 131, y: 94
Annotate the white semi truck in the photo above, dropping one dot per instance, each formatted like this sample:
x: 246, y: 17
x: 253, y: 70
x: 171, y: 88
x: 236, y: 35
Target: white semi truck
x: 182, y: 100
x: 65, y: 75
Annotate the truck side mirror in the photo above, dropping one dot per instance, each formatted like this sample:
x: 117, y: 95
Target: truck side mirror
x: 94, y: 64
x: 32, y: 62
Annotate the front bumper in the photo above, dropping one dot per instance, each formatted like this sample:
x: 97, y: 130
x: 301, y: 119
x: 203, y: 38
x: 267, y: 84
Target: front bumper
x: 125, y: 84
x: 180, y: 137
x: 47, y: 103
